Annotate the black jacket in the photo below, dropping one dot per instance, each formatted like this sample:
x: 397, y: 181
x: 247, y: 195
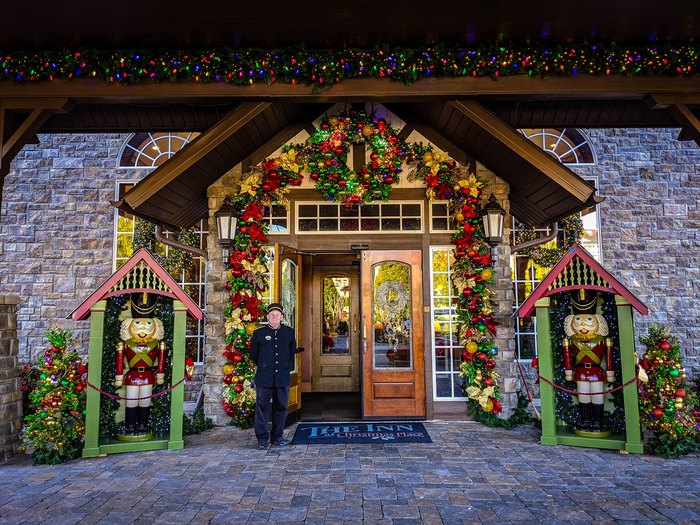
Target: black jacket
x: 273, y: 352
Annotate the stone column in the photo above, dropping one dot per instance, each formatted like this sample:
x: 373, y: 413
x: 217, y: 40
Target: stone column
x: 217, y: 298
x: 10, y: 393
x: 506, y: 367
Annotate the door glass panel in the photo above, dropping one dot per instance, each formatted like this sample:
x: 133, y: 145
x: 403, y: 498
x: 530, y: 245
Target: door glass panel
x: 391, y: 307
x: 288, y: 295
x: 336, y: 315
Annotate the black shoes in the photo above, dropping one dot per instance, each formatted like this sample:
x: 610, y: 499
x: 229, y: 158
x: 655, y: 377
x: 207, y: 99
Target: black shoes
x: 262, y: 445
x: 281, y: 442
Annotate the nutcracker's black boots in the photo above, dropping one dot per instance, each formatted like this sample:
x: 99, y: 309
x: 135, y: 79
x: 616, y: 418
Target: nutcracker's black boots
x: 597, y: 417
x: 130, y: 421
x: 144, y: 412
x: 584, y: 414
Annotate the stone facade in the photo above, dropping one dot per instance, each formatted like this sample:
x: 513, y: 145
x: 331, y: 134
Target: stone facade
x: 650, y: 226
x: 10, y: 393
x: 57, y: 226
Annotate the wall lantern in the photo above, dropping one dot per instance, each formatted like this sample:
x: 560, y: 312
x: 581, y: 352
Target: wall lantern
x: 226, y: 221
x: 493, y: 224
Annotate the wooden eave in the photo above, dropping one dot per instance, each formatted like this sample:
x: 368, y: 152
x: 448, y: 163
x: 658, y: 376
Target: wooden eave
x: 598, y: 278
x: 542, y: 189
x: 175, y: 194
x: 167, y: 286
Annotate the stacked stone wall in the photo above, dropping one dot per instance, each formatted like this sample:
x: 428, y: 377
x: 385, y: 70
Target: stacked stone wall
x: 57, y: 229
x: 10, y: 393
x: 650, y: 226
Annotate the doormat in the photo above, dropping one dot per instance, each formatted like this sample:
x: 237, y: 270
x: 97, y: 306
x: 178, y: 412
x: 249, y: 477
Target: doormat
x: 360, y: 433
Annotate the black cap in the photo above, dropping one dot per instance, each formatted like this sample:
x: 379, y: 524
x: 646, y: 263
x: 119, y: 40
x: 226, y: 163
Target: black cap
x: 143, y: 304
x: 275, y: 306
x: 584, y: 301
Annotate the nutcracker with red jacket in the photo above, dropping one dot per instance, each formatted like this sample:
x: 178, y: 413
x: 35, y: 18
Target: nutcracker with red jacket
x: 587, y: 348
x: 140, y: 353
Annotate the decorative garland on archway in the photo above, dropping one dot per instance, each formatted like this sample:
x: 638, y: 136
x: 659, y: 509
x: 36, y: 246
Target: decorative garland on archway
x: 323, y: 158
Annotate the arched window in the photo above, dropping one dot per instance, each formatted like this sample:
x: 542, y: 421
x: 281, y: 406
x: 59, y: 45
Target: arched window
x: 150, y: 150
x: 569, y: 146
x: 572, y: 148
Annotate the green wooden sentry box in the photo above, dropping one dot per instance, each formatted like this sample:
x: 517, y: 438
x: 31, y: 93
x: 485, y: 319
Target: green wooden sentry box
x: 141, y: 273
x: 579, y: 270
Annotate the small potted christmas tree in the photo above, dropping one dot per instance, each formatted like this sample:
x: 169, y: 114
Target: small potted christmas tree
x: 668, y: 408
x: 54, y: 425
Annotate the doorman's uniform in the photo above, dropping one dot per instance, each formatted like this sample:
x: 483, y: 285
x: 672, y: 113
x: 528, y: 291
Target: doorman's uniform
x: 273, y: 352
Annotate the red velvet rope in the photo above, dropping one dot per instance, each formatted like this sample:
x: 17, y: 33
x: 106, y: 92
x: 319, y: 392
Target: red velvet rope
x: 574, y: 392
x: 114, y: 396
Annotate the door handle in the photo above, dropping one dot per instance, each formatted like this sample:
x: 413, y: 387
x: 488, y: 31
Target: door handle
x: 354, y: 323
x: 364, y: 335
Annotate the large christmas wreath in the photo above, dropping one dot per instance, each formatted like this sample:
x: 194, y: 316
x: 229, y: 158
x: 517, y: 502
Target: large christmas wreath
x: 326, y: 154
x: 323, y: 158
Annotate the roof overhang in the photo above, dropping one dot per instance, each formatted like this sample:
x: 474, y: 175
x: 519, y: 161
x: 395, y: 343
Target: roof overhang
x: 175, y: 194
x: 542, y: 190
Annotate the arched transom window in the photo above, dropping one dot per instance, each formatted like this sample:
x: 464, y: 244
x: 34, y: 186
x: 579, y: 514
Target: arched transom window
x: 569, y: 146
x: 150, y: 150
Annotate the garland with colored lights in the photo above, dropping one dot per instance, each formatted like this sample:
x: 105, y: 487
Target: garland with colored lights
x: 667, y: 406
x: 55, y: 425
x: 266, y: 186
x: 545, y: 255
x: 322, y: 68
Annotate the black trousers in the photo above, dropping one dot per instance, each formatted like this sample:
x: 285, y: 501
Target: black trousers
x: 280, y: 399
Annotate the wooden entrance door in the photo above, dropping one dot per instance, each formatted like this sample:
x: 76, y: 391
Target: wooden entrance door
x: 336, y: 306
x: 393, y: 379
x: 287, y: 281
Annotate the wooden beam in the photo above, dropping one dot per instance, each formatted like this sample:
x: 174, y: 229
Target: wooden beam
x: 689, y: 123
x: 59, y: 105
x: 193, y: 152
x: 525, y: 149
x: 664, y: 100
x: 381, y: 90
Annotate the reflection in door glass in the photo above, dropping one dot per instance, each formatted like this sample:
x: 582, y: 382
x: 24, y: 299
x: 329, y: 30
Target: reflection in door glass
x: 288, y: 295
x: 391, y: 306
x: 336, y: 315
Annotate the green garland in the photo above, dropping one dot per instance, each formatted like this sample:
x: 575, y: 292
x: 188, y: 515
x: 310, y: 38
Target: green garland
x: 545, y: 255
x: 323, y: 68
x: 176, y: 261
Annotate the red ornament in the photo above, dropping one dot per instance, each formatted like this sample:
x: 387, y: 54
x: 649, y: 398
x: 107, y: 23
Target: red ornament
x: 238, y: 388
x: 228, y: 379
x: 658, y: 413
x: 664, y: 345
x: 680, y: 393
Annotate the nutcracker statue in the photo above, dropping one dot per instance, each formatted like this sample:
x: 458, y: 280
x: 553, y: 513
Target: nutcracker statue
x: 140, y: 352
x: 587, y: 344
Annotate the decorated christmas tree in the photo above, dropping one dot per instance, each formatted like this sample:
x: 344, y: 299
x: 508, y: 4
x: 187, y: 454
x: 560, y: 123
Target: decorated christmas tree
x: 55, y: 424
x: 667, y: 406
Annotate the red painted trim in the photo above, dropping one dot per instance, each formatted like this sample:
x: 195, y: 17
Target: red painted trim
x: 103, y: 292
x: 542, y: 290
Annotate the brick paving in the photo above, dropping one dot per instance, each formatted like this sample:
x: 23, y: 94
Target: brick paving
x: 469, y: 474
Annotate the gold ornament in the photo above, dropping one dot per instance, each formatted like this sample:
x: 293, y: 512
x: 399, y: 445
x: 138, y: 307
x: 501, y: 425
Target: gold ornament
x: 250, y: 328
x: 236, y: 380
x: 472, y: 347
x: 486, y: 274
x: 228, y: 369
